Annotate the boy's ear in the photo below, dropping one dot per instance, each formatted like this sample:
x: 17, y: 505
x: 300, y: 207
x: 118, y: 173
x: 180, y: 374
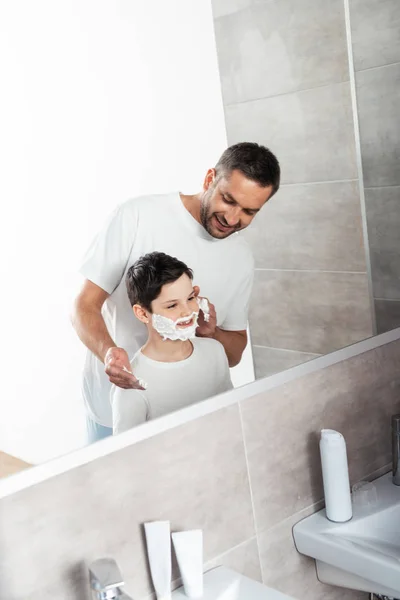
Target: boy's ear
x: 141, y: 313
x: 196, y: 290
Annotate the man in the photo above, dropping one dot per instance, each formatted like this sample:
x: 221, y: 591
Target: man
x: 175, y: 367
x: 199, y: 229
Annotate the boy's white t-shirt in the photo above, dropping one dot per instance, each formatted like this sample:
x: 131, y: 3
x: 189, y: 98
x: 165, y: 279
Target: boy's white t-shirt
x: 171, y: 385
x: 223, y: 269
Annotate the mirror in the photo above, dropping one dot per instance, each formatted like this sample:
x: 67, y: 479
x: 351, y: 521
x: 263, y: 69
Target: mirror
x: 104, y: 103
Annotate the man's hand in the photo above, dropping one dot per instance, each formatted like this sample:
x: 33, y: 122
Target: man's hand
x: 119, y: 370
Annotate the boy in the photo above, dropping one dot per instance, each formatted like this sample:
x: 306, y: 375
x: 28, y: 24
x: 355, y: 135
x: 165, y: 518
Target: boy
x: 175, y: 367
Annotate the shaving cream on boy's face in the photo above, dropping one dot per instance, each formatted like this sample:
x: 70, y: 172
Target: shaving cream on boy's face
x: 169, y: 329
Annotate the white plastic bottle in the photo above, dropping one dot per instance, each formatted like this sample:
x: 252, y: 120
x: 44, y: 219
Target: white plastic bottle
x: 335, y: 474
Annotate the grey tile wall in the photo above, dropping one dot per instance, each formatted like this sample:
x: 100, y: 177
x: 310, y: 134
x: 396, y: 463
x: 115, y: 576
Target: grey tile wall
x: 299, y: 129
x: 383, y: 217
x: 50, y: 532
x: 375, y: 28
x: 268, y: 361
x: 313, y: 312
x: 378, y: 99
x: 387, y: 315
x: 281, y: 427
x: 285, y: 83
x: 199, y: 475
x: 269, y: 48
x: 310, y: 227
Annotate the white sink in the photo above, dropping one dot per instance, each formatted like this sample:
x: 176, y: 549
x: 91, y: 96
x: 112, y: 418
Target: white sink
x: 223, y: 584
x: 362, y: 554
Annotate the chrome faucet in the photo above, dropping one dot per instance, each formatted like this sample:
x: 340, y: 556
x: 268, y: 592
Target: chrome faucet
x: 106, y: 580
x: 396, y: 448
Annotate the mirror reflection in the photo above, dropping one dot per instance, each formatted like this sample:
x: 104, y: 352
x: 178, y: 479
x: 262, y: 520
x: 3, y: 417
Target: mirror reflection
x: 136, y: 261
x: 182, y: 217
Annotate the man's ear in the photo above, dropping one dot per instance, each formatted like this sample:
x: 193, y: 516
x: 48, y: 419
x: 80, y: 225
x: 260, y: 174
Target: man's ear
x: 209, y: 179
x: 141, y: 313
x: 196, y: 290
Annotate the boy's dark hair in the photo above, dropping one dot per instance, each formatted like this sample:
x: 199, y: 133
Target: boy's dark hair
x: 256, y: 162
x: 147, y: 276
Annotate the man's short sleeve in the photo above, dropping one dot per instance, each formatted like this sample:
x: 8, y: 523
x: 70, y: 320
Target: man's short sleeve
x: 129, y: 409
x: 106, y: 259
x: 237, y: 317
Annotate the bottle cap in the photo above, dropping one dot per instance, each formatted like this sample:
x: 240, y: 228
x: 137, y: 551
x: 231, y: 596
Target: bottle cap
x: 331, y: 436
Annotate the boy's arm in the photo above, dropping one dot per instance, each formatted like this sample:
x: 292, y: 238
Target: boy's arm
x: 129, y: 409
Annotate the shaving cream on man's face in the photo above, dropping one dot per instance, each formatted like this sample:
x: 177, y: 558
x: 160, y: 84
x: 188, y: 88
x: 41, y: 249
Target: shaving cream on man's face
x: 170, y: 330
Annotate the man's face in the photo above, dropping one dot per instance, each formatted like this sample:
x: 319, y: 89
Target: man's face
x: 231, y: 203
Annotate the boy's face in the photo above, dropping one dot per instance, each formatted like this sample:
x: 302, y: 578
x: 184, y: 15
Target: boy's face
x: 177, y: 300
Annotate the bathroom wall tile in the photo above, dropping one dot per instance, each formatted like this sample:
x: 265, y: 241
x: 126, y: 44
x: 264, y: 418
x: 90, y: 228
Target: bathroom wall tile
x: 292, y: 573
x: 387, y: 315
x: 311, y: 132
x: 244, y: 559
x: 282, y: 427
x: 313, y: 312
x: 316, y: 227
x: 222, y: 8
x: 268, y: 361
x: 375, y: 27
x: 383, y: 218
x: 378, y: 111
x: 52, y: 531
x: 269, y: 48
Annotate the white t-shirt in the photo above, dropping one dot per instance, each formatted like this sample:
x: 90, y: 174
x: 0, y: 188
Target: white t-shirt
x: 223, y: 269
x: 173, y: 385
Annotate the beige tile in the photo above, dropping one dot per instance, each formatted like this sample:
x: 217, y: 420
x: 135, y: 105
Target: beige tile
x: 282, y: 426
x: 378, y: 112
x: 292, y: 573
x: 310, y: 132
x: 243, y: 559
x: 387, y: 315
x: 52, y: 531
x: 315, y: 227
x: 375, y: 30
x: 313, y: 312
x: 268, y: 48
x: 268, y: 361
x: 383, y: 217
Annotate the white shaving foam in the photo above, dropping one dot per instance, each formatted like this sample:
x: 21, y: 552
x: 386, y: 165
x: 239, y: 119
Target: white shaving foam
x: 169, y: 330
x: 205, y: 307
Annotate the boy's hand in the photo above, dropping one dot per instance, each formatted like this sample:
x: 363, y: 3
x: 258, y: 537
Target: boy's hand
x: 119, y: 370
x: 206, y: 328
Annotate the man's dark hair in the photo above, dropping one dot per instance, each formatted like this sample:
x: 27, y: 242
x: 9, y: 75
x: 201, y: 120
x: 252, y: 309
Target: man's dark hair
x: 147, y: 276
x: 256, y: 162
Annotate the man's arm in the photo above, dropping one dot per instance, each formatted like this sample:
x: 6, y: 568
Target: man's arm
x: 234, y: 343
x: 92, y: 331
x: 88, y: 321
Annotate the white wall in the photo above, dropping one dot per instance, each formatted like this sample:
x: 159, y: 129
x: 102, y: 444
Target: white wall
x: 101, y: 101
